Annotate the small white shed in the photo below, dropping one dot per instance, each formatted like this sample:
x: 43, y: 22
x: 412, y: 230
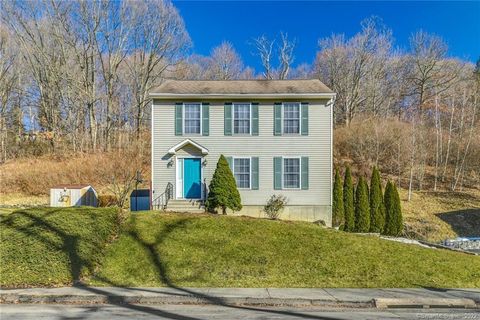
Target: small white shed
x: 70, y: 195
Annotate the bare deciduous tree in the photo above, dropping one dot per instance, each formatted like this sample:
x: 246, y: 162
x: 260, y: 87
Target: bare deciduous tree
x: 264, y: 49
x: 285, y: 54
x: 225, y: 63
x: 350, y: 67
x: 158, y: 40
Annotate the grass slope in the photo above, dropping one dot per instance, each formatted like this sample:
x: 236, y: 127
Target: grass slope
x: 436, y: 216
x: 52, y: 247
x: 197, y: 250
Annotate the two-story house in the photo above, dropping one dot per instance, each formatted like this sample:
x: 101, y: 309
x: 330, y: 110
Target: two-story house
x: 275, y: 134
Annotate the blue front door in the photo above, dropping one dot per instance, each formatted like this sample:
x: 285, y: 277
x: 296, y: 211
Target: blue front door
x: 192, y: 179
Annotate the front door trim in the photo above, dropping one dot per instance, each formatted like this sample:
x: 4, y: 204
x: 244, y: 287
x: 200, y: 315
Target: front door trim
x: 179, y: 195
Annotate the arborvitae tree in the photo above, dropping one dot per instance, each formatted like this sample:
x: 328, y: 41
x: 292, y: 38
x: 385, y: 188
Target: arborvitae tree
x: 393, y: 213
x: 377, y: 207
x: 223, y: 190
x: 337, y: 210
x: 398, y: 217
x: 348, y: 202
x: 387, y: 200
x: 362, y: 207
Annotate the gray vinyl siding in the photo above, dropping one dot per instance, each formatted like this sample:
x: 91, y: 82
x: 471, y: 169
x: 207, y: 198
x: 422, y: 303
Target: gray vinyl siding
x: 316, y: 146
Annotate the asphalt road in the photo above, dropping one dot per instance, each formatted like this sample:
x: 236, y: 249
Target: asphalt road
x: 193, y: 312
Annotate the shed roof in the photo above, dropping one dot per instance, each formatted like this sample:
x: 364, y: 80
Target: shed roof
x: 241, y: 87
x: 70, y: 186
x: 140, y: 193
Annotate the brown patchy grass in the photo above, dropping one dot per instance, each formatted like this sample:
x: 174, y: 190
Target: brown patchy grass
x: 425, y: 214
x: 24, y: 178
x: 20, y: 199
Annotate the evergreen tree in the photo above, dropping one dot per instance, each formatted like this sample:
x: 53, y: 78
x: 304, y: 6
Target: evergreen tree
x: 393, y: 215
x: 377, y: 207
x: 362, y: 207
x: 348, y: 202
x: 387, y: 200
x: 398, y: 217
x: 223, y: 192
x: 337, y: 210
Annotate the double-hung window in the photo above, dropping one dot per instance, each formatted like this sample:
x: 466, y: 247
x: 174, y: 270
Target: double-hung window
x: 192, y: 118
x: 291, y: 173
x: 291, y: 118
x: 241, y: 118
x: 241, y: 172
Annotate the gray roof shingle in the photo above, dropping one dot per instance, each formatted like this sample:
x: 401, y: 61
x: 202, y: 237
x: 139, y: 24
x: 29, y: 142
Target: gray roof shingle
x: 233, y: 87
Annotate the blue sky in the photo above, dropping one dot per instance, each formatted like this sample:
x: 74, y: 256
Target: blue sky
x: 209, y: 23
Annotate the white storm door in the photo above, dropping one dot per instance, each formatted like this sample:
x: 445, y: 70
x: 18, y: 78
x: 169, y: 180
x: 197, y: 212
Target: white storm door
x: 179, y: 184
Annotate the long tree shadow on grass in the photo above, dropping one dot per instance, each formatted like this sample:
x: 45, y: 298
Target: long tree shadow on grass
x: 466, y: 223
x: 70, y: 245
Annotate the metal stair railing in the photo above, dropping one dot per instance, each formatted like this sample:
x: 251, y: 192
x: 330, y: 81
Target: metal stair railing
x: 160, y: 202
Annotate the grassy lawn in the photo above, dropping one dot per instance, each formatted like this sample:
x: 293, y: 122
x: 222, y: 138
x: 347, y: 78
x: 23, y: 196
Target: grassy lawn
x: 157, y: 249
x: 52, y: 247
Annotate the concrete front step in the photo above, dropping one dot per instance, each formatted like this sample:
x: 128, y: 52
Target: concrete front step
x: 185, y: 202
x: 185, y: 210
x: 191, y: 206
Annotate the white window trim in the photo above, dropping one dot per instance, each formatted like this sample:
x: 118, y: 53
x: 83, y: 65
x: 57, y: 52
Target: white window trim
x: 233, y: 119
x: 183, y: 118
x: 299, y: 120
x: 299, y: 172
x: 249, y: 175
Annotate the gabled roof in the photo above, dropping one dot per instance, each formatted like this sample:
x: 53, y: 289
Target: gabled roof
x: 242, y: 88
x: 175, y: 148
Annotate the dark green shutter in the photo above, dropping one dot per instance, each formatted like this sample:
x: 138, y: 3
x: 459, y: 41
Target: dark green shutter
x: 255, y: 119
x: 178, y: 119
x: 304, y: 118
x: 230, y: 163
x: 205, y: 119
x: 277, y: 119
x: 228, y: 119
x: 254, y: 165
x: 277, y: 173
x: 304, y: 173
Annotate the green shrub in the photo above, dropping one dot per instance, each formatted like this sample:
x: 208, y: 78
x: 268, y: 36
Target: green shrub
x: 223, y: 192
x: 337, y: 206
x: 377, y: 207
x: 274, y: 206
x: 348, y: 202
x: 362, y: 207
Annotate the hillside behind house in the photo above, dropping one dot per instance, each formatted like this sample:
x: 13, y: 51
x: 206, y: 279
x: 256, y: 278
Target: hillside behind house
x: 429, y: 215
